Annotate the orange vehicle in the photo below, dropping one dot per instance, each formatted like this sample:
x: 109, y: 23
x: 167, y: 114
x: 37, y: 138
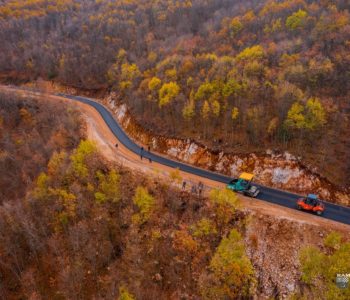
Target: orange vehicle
x: 311, y: 203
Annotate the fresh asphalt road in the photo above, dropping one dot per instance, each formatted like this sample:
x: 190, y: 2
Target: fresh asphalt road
x: 333, y: 212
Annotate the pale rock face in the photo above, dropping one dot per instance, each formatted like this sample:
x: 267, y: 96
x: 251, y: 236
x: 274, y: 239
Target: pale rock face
x: 173, y: 152
x: 154, y: 143
x: 269, y: 152
x: 289, y: 156
x: 222, y: 164
x: 111, y: 103
x: 126, y: 121
x: 219, y: 166
x: 323, y: 193
x: 282, y: 176
x: 121, y: 112
x: 254, y: 157
x: 290, y: 287
x: 190, y: 152
x: 235, y: 167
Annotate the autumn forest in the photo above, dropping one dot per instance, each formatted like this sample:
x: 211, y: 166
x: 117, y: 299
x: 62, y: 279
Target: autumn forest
x: 241, y: 76
x: 236, y: 77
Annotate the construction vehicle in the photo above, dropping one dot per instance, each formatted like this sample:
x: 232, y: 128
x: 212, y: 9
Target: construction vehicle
x: 243, y: 185
x: 311, y: 203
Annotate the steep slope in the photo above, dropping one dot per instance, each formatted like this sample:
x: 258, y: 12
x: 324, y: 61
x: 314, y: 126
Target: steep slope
x: 30, y: 132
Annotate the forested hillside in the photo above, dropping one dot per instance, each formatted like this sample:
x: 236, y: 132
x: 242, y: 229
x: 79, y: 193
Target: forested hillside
x: 90, y: 230
x: 235, y: 75
x: 30, y: 133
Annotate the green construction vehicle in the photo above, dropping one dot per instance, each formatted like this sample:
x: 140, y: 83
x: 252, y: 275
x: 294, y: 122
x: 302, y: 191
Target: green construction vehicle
x: 243, y: 185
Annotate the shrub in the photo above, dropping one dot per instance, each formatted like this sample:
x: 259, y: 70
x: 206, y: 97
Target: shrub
x: 80, y: 156
x: 203, y: 227
x: 108, y: 188
x: 319, y: 270
x: 145, y: 203
x: 124, y: 294
x: 225, y: 203
x: 232, y: 272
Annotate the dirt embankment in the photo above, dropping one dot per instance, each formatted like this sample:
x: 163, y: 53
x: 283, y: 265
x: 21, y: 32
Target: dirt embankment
x: 275, y: 169
x: 274, y: 245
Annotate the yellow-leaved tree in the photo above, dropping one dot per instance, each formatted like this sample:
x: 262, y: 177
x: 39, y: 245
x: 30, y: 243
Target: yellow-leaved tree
x: 124, y: 294
x: 225, y: 204
x: 232, y: 274
x: 80, y: 156
x: 168, y: 92
x: 297, y: 20
x: 321, y: 268
x: 251, y: 53
x: 311, y: 116
x: 108, y: 188
x: 154, y: 84
x: 145, y: 203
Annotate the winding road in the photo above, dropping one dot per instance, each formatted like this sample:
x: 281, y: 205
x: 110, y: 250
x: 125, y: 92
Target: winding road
x: 286, y: 199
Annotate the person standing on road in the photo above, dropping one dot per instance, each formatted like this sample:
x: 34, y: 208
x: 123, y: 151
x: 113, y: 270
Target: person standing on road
x: 141, y: 153
x: 184, y: 185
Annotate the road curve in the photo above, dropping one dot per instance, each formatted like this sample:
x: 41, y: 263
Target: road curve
x: 333, y: 212
x: 286, y: 199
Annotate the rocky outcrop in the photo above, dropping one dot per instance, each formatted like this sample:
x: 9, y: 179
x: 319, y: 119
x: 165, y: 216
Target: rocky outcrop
x: 278, y: 268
